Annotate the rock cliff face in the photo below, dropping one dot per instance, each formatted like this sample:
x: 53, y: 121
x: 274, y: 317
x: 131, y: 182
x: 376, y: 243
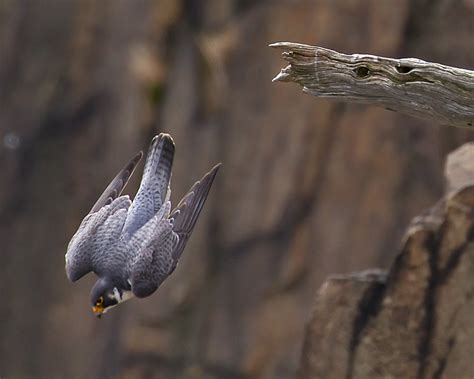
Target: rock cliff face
x: 416, y: 320
x: 307, y: 188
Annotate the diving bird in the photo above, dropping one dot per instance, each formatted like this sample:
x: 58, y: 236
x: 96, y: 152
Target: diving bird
x: 134, y: 246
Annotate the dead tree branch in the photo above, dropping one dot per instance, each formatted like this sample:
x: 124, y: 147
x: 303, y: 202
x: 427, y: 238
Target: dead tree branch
x: 411, y: 86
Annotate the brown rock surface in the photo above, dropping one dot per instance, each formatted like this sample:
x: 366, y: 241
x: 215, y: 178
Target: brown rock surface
x: 415, y: 322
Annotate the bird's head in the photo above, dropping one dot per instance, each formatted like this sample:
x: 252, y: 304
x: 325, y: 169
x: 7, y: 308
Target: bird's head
x: 105, y: 295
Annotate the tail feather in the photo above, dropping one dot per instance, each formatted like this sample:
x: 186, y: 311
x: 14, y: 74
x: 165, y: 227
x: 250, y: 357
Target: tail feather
x: 154, y: 186
x: 158, y: 165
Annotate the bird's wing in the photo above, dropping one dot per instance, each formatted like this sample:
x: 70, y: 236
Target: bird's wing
x: 154, y: 262
x: 161, y: 241
x: 116, y: 186
x: 97, y: 231
x: 106, y: 214
x: 154, y: 187
x: 185, y: 215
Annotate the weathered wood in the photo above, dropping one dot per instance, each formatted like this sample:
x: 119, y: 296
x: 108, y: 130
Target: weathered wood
x: 423, y: 89
x: 417, y: 321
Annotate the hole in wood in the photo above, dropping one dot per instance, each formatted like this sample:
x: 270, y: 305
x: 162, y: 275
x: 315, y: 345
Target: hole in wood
x: 404, y: 69
x: 362, y: 72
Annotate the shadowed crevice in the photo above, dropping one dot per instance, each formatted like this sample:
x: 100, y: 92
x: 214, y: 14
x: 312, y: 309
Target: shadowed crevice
x: 428, y: 324
x: 368, y: 308
x: 438, y: 374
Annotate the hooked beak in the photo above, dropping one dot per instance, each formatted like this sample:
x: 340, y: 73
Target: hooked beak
x: 98, y: 311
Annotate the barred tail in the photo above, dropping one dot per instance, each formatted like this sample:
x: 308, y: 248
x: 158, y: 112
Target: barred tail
x: 154, y: 185
x: 158, y: 164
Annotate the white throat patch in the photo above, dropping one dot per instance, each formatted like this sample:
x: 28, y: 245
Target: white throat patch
x: 117, y: 295
x: 126, y: 295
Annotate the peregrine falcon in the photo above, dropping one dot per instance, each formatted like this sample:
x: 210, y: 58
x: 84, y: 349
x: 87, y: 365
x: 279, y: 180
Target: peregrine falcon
x: 134, y: 246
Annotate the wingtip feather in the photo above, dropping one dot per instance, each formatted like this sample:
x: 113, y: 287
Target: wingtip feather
x: 213, y: 171
x: 138, y: 157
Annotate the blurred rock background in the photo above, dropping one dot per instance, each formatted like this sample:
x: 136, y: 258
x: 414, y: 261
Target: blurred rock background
x: 308, y: 186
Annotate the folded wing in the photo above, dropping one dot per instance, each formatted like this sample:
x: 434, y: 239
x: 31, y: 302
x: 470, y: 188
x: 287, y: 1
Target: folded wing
x: 87, y: 249
x: 185, y: 215
x: 106, y: 216
x: 154, y: 262
x: 116, y: 186
x: 159, y: 255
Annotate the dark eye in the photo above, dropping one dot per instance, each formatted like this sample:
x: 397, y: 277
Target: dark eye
x: 99, y: 301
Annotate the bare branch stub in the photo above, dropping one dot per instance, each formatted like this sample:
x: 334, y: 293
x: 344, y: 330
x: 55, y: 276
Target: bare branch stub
x: 422, y: 89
